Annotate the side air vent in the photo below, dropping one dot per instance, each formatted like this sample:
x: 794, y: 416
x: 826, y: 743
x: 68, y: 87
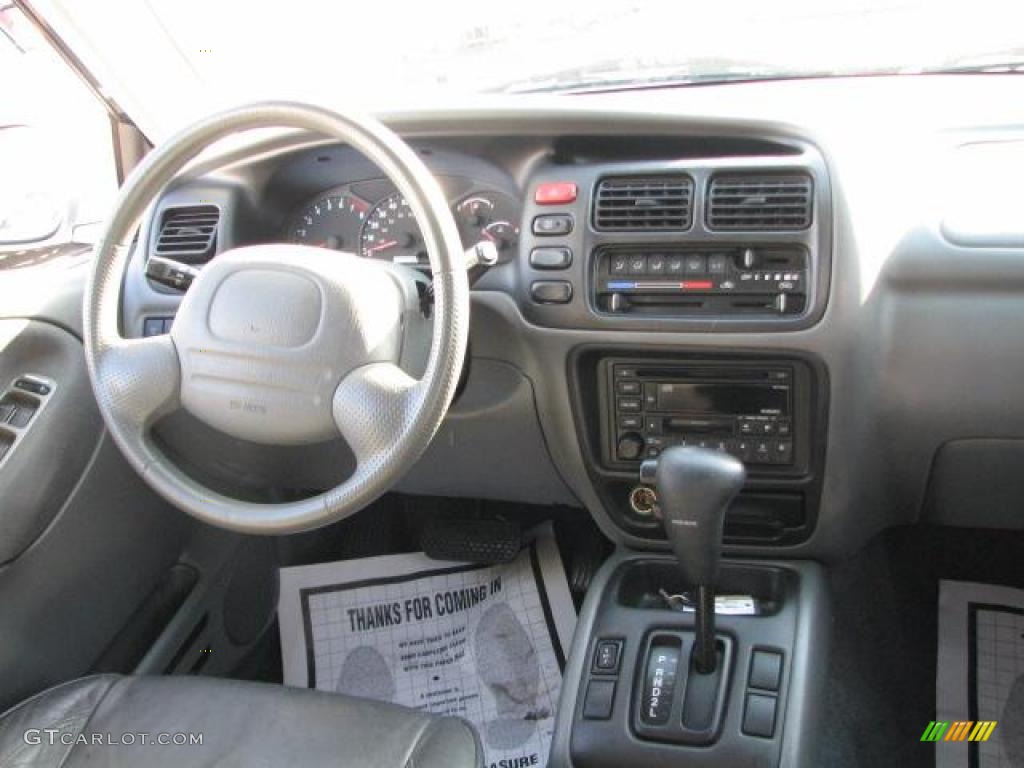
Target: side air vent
x: 634, y: 204
x: 759, y: 203
x: 189, y: 234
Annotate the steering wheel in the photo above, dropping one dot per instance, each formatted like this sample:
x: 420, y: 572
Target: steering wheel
x: 285, y: 344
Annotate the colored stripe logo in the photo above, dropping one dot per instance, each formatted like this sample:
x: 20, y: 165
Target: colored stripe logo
x: 959, y: 730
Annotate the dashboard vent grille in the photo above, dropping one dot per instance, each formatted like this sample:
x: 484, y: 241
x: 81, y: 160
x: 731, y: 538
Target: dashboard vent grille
x: 189, y: 233
x: 760, y: 203
x: 627, y: 204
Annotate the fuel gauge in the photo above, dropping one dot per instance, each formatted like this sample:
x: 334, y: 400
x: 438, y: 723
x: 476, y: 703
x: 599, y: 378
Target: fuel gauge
x: 490, y: 216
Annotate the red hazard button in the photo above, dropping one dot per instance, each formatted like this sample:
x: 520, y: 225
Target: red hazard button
x: 555, y: 193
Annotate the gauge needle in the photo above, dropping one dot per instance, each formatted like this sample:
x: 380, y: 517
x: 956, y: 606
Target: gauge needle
x: 382, y: 246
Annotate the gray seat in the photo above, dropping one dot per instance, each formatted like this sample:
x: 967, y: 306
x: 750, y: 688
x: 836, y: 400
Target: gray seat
x: 109, y: 720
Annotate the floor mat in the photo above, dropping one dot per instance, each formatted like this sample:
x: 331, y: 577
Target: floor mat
x: 980, y: 677
x: 486, y: 643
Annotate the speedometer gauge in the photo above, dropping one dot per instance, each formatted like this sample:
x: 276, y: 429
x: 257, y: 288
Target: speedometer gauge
x: 391, y: 233
x: 333, y: 221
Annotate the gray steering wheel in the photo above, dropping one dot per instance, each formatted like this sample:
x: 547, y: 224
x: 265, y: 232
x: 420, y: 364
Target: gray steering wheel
x: 285, y: 344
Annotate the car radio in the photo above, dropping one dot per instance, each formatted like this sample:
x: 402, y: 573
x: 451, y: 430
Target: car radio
x: 746, y: 411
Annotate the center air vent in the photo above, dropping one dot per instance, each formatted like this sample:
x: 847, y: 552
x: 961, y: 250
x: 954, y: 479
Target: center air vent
x: 189, y: 234
x: 634, y: 204
x: 759, y: 203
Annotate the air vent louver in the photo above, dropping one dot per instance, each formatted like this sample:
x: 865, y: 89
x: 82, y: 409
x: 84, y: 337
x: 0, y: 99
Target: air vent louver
x: 633, y: 204
x: 759, y: 203
x: 189, y: 234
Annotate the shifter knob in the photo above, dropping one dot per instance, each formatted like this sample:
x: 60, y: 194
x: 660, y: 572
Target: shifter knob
x: 695, y: 486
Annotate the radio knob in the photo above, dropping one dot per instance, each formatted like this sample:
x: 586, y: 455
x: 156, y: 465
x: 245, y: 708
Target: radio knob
x: 630, y: 446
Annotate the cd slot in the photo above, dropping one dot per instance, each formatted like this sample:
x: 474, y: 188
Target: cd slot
x: 677, y: 425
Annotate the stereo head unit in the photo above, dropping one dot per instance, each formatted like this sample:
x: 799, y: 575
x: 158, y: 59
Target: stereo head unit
x: 744, y: 410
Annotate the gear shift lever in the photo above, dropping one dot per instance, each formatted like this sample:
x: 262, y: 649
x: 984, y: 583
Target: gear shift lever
x: 694, y: 486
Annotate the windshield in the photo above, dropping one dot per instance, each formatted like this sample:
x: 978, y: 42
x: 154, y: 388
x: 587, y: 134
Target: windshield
x: 173, y: 60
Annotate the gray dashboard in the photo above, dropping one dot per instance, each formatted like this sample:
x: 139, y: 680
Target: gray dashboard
x: 910, y: 325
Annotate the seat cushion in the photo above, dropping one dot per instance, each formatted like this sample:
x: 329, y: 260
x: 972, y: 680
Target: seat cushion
x: 109, y: 720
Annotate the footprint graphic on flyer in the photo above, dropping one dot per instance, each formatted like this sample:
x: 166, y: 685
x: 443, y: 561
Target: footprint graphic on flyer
x: 506, y: 662
x: 366, y: 674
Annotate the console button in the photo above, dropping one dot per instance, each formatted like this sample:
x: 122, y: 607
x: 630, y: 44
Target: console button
x: 550, y: 258
x: 659, y: 684
x: 618, y: 264
x: 629, y: 422
x: 765, y: 670
x: 152, y: 326
x: 762, y: 452
x: 629, y: 447
x: 656, y: 265
x: 717, y: 263
x: 759, y: 715
x: 694, y: 263
x: 628, y: 387
x: 35, y: 387
x: 652, y: 424
x: 598, y: 701
x: 783, y: 451
x: 674, y: 265
x: 637, y: 264
x: 606, y: 656
x: 783, y: 429
x: 551, y: 292
x: 629, y: 404
x: 552, y: 224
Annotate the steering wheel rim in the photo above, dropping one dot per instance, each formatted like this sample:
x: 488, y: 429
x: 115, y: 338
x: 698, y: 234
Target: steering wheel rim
x: 387, y: 417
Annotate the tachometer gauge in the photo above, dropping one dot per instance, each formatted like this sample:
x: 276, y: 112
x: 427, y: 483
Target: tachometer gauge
x: 333, y: 221
x: 489, y: 216
x: 390, y: 232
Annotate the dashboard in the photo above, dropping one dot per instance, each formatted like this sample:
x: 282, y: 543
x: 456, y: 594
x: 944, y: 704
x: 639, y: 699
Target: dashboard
x: 693, y: 239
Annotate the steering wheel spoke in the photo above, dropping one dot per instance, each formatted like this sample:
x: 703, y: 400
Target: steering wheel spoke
x: 374, y: 406
x: 142, y: 380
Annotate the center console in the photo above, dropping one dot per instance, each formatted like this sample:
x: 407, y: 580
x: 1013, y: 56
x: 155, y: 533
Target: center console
x: 628, y: 689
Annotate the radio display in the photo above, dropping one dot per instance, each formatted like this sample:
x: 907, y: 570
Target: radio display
x: 722, y: 398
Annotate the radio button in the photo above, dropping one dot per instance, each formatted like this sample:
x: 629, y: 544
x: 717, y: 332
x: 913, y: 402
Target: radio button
x: 763, y: 451
x: 625, y: 372
x: 783, y: 451
x: 783, y: 429
x: 630, y: 404
x: 628, y: 387
x: 766, y: 428
x: 653, y: 425
x: 630, y: 422
x: 629, y: 446
x: 746, y: 427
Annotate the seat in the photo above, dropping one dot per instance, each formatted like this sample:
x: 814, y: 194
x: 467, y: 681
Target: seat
x: 111, y: 720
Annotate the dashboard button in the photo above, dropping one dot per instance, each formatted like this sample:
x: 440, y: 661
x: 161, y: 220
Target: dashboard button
x: 551, y: 292
x: 628, y: 387
x: 618, y: 264
x: 656, y: 265
x: 674, y: 265
x: 694, y: 263
x: 629, y: 422
x: 637, y: 264
x: 717, y: 263
x: 629, y: 404
x: 555, y: 193
x: 552, y: 224
x: 550, y: 258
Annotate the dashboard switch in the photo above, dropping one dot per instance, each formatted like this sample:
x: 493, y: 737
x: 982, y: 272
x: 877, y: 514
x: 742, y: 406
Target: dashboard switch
x: 552, y: 224
x: 551, y: 291
x: 550, y: 258
x: 555, y: 193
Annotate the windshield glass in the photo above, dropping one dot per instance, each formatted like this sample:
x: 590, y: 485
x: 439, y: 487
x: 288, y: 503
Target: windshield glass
x: 177, y: 59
